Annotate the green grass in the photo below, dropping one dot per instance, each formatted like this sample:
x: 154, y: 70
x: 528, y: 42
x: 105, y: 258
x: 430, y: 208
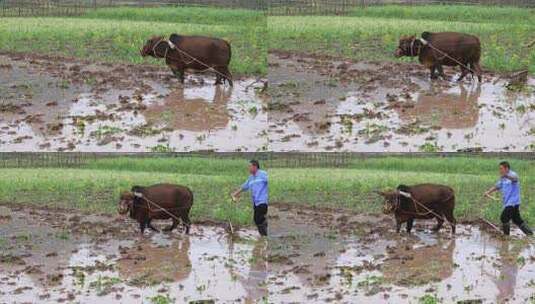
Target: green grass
x: 97, y: 185
x: 118, y: 34
x: 373, y: 33
x: 192, y: 15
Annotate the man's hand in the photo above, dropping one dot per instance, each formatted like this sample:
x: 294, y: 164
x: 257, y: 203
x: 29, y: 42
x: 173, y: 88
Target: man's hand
x: 489, y: 192
x: 235, y: 196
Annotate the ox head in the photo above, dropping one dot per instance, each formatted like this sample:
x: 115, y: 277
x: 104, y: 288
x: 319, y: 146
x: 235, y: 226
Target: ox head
x: 406, y: 46
x: 391, y: 200
x: 154, y: 47
x: 126, y: 202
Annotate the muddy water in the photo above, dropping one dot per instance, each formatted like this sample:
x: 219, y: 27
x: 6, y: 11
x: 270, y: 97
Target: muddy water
x: 312, y: 255
x: 50, y: 256
x: 56, y: 104
x: 343, y: 258
x: 321, y: 104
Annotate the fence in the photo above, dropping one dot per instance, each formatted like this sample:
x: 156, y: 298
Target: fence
x: 341, y: 7
x: 20, y: 8
x: 27, y: 8
x: 270, y: 159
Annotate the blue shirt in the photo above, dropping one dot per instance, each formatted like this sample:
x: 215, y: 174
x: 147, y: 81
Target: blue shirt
x: 258, y: 184
x: 510, y: 190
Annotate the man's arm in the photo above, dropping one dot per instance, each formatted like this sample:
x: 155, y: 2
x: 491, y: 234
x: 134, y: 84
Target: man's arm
x: 244, y: 187
x: 490, y: 191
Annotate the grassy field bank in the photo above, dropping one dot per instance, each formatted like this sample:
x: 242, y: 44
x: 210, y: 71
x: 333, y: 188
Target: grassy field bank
x: 97, y: 186
x: 118, y: 34
x: 373, y: 33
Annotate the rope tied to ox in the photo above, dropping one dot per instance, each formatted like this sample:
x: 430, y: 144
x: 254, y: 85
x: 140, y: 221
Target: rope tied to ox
x: 416, y: 202
x: 173, y: 46
x: 444, y: 54
x: 140, y: 195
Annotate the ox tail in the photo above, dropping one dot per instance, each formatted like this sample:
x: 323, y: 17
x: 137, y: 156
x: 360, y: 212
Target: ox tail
x: 191, y: 194
x: 229, y: 53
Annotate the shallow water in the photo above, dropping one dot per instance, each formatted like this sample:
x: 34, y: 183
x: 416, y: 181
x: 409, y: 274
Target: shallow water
x: 111, y: 110
x: 373, y: 264
x: 328, y: 105
x: 53, y: 264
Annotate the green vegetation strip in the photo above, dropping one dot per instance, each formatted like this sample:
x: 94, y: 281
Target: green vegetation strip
x: 97, y: 186
x: 118, y: 34
x: 373, y: 33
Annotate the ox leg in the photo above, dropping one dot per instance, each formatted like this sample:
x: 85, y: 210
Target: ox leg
x: 449, y: 216
x: 186, y: 222
x: 477, y: 68
x: 433, y: 74
x: 440, y: 222
x: 180, y: 76
x: 410, y: 222
x: 464, y: 72
x: 218, y: 79
x: 441, y: 72
x: 142, y: 226
x: 398, y: 225
x: 228, y: 75
x: 172, y: 227
x: 151, y: 227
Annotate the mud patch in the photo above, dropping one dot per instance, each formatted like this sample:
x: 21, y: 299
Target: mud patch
x: 63, y: 104
x: 52, y: 256
x: 340, y: 257
x: 326, y: 104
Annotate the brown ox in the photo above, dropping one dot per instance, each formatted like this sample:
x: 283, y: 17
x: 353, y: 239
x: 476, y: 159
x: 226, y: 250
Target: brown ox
x: 447, y: 48
x: 423, y: 201
x: 147, y: 203
x: 196, y: 53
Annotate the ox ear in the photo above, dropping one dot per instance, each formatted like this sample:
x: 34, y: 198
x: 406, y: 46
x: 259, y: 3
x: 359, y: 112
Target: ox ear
x: 136, y: 189
x: 403, y: 188
x: 175, y: 38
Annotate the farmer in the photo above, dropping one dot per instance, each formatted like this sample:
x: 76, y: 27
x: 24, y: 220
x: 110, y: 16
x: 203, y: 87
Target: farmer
x: 258, y: 184
x: 509, y: 186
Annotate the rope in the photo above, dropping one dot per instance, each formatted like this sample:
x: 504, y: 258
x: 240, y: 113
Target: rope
x: 140, y: 195
x: 408, y: 195
x: 174, y: 47
x: 425, y: 42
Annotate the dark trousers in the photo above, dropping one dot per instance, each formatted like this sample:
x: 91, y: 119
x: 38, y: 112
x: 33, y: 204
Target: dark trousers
x: 260, y: 213
x: 511, y: 213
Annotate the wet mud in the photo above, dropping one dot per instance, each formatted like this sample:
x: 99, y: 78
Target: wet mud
x: 335, y: 256
x: 327, y: 104
x: 312, y: 255
x: 63, y: 104
x: 64, y: 256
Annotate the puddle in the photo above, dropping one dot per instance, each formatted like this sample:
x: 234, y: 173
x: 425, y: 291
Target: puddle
x: 312, y: 255
x: 55, y: 104
x: 49, y: 256
x: 369, y: 263
x: 320, y: 104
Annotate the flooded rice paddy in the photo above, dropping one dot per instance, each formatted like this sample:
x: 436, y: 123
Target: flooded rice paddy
x: 325, y: 104
x: 312, y: 255
x: 61, y: 104
x: 55, y: 256
x: 314, y: 104
x: 334, y: 256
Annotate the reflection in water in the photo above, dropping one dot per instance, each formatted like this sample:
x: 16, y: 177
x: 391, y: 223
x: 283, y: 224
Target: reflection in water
x: 168, y: 263
x: 194, y: 113
x: 420, y: 265
x: 509, y: 254
x: 445, y: 109
x: 255, y: 282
